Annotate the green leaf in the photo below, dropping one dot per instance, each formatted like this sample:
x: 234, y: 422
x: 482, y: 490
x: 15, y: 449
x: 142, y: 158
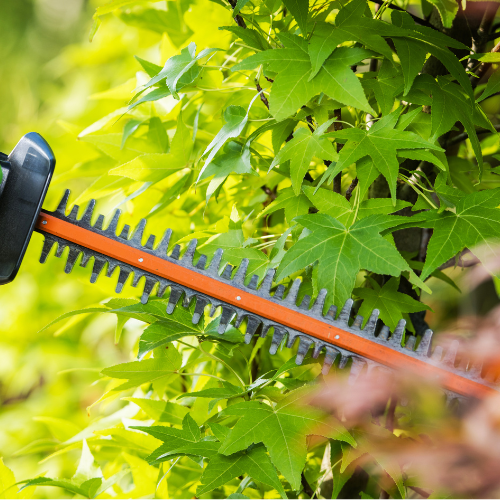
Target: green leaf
x: 447, y: 10
x: 391, y: 303
x: 302, y: 149
x: 341, y: 253
x: 161, y: 411
x: 178, y: 66
x: 282, y: 429
x: 234, y: 160
x: 476, y: 222
x: 236, y: 118
x: 254, y: 462
x: 412, y: 56
x: 298, y: 9
x: 292, y: 89
x: 250, y: 37
x: 381, y: 142
x: 292, y: 204
x: 492, y: 87
x: 172, y: 438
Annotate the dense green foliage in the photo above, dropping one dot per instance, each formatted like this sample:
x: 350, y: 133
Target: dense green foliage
x: 339, y: 142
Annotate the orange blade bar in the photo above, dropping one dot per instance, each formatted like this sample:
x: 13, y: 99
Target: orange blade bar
x: 261, y: 307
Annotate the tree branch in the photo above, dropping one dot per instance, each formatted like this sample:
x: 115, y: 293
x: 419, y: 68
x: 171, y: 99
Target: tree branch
x: 351, y: 188
x: 459, y: 261
x: 464, y: 135
x: 238, y: 19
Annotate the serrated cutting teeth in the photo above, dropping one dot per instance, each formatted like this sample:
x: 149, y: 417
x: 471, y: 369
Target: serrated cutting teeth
x: 263, y: 307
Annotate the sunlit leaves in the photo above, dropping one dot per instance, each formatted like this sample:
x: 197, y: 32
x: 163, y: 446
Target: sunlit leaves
x: 282, y: 429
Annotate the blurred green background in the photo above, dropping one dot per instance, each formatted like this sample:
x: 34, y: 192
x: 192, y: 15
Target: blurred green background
x: 49, y: 72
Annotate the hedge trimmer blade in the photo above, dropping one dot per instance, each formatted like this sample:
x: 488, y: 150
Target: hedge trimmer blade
x: 266, y: 306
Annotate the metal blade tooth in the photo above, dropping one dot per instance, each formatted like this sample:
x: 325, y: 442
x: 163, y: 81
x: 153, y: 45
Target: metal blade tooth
x: 280, y: 290
x: 189, y: 253
x: 451, y: 354
x: 254, y: 282
x: 47, y: 247
x: 306, y: 301
x: 164, y: 284
x: 162, y: 248
x: 124, y: 232
x: 410, y: 342
x: 252, y: 327
x: 202, y: 262
x: 213, y: 268
x: 356, y: 369
x: 239, y: 277
x: 278, y: 335
x: 291, y: 297
x: 358, y: 321
x: 188, y: 296
x: 330, y: 356
x: 137, y: 278
x: 86, y: 258
x: 113, y: 225
x: 139, y: 233
x: 99, y: 264
x: 213, y: 309
x: 176, y: 252
x: 122, y: 278
x: 72, y: 256
x: 425, y: 343
x: 61, y: 208
x: 332, y: 313
x: 225, y: 319
x: 319, y: 303
x: 345, y: 313
x: 476, y: 369
x: 89, y: 211
x: 61, y: 246
x: 399, y: 331
x: 175, y: 295
x: 343, y: 361
x: 239, y: 320
x: 73, y: 215
x: 304, y: 345
x: 292, y: 337
x: 267, y: 282
x: 112, y: 266
x: 371, y: 324
x: 384, y: 333
x: 265, y: 329
x: 318, y: 347
x: 148, y: 288
x: 199, y: 309
x: 99, y: 224
x: 150, y: 244
x: 437, y: 354
x: 228, y: 270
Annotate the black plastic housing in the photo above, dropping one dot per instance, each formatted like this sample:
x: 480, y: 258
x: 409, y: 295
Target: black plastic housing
x: 27, y: 172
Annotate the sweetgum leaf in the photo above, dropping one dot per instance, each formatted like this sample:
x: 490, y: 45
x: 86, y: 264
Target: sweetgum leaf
x: 283, y: 430
x: 293, y: 205
x: 342, y: 252
x: 301, y: 150
x: 254, y: 462
x: 391, y: 303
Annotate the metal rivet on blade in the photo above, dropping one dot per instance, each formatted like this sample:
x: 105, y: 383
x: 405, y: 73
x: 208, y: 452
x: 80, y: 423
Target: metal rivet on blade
x: 337, y: 337
x: 238, y: 298
x: 141, y: 260
x: 44, y: 222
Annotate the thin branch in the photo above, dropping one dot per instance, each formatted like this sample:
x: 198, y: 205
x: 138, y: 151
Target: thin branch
x: 238, y: 19
x: 263, y: 98
x: 417, y: 19
x: 464, y: 135
x: 351, y: 188
x: 458, y: 260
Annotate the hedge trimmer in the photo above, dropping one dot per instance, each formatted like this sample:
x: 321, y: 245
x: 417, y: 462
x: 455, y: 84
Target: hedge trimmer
x: 266, y: 306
